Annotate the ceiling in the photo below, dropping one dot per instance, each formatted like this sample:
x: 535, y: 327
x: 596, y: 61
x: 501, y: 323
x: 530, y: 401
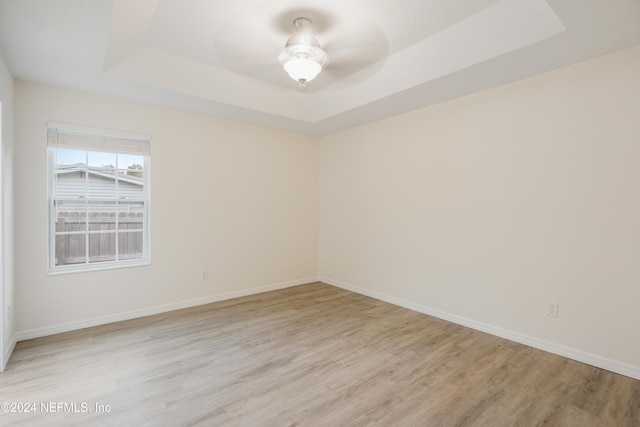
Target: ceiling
x: 220, y: 57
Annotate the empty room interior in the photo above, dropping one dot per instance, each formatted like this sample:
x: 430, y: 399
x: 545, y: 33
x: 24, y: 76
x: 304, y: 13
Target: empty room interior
x: 320, y: 213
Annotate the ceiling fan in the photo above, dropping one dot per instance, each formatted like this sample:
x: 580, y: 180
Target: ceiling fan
x: 310, y: 44
x: 303, y: 58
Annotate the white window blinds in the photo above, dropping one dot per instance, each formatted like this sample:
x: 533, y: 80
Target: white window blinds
x: 64, y: 135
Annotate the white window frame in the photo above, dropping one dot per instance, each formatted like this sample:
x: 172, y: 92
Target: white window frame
x: 62, y: 135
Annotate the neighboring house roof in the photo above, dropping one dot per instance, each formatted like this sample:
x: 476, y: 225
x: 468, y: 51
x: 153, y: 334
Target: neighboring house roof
x: 71, y: 182
x: 101, y: 172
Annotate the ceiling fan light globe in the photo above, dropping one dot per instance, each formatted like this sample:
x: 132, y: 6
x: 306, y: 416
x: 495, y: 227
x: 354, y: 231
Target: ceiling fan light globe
x: 302, y: 70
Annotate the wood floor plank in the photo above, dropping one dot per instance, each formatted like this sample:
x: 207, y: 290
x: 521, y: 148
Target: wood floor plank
x: 311, y: 355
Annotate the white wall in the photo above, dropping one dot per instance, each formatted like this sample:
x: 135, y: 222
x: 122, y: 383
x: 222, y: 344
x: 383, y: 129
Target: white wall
x: 7, y: 324
x: 483, y: 208
x: 238, y: 200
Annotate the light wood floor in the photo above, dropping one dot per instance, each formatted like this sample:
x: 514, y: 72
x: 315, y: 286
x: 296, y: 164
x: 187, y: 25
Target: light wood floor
x: 312, y: 355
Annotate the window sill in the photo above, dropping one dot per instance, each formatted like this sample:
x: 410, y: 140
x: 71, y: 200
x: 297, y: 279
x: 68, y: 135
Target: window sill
x: 57, y: 271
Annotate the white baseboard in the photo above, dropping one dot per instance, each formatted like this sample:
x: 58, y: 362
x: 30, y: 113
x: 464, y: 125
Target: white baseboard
x: 561, y: 350
x: 8, y: 352
x: 103, y: 320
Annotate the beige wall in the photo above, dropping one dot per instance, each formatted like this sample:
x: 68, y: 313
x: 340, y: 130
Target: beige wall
x: 238, y: 200
x: 7, y: 324
x: 483, y: 208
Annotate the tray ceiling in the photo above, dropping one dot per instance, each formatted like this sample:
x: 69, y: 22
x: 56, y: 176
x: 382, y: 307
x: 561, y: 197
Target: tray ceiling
x: 221, y: 57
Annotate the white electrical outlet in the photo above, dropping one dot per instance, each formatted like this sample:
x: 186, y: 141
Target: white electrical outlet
x: 349, y: 266
x: 204, y: 274
x: 552, y: 308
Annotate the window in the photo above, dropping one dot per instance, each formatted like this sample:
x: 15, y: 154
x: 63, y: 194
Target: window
x: 98, y: 198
